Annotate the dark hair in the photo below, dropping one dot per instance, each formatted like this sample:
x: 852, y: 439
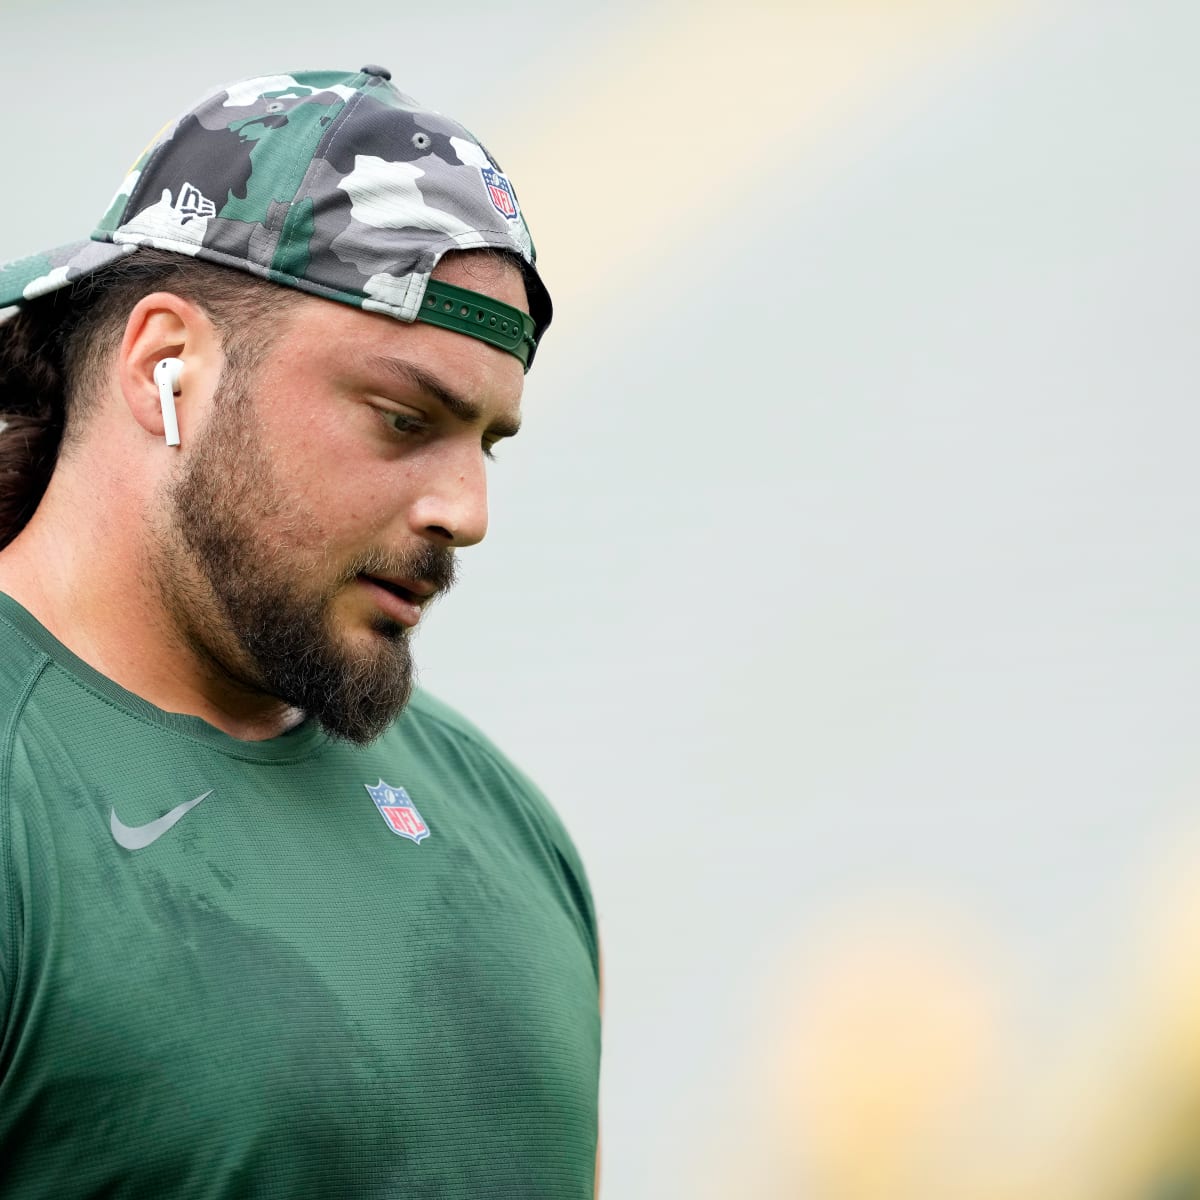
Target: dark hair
x: 54, y: 350
x: 31, y: 408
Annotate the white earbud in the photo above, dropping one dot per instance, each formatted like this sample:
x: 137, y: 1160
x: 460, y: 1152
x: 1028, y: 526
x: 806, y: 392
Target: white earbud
x: 166, y: 374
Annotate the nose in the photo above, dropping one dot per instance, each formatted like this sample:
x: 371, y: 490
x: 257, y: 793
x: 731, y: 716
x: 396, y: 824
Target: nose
x: 451, y: 505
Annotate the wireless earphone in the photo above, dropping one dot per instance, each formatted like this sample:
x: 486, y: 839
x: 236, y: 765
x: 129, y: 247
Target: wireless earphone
x: 166, y: 374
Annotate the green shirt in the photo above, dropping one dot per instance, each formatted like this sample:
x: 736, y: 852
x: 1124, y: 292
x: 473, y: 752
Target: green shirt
x: 284, y: 990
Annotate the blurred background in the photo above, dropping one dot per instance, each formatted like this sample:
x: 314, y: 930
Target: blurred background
x: 841, y: 589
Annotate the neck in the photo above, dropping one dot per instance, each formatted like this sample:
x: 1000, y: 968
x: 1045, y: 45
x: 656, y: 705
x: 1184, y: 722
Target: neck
x: 91, y: 584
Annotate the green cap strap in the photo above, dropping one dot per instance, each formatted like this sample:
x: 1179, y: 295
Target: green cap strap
x: 480, y: 317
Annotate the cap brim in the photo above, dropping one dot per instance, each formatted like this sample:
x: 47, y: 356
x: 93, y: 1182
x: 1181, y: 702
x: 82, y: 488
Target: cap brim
x: 40, y: 274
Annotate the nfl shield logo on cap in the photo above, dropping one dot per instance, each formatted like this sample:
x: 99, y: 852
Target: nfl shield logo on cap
x: 397, y: 809
x: 501, y: 191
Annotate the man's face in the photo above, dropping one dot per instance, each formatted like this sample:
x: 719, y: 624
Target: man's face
x: 321, y: 503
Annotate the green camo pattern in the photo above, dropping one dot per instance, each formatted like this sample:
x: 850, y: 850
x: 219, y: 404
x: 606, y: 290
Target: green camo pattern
x: 337, y: 184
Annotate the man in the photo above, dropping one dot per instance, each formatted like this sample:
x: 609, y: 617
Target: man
x: 272, y: 925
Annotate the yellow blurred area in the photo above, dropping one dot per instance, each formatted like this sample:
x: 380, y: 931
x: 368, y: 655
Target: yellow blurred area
x: 878, y: 1009
x: 696, y: 105
x: 892, y: 1066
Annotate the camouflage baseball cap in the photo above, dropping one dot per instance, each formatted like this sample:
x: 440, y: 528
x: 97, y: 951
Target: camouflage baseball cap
x: 333, y: 183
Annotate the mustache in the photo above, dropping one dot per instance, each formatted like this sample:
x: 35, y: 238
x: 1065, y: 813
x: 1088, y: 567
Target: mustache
x: 433, y: 565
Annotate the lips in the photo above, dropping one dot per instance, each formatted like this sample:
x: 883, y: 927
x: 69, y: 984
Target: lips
x: 417, y: 590
x: 399, y: 599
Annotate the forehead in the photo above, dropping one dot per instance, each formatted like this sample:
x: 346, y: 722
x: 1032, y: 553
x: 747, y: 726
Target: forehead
x: 331, y: 334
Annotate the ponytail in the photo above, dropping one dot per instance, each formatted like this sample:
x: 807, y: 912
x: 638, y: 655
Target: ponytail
x: 32, y: 410
x: 55, y: 351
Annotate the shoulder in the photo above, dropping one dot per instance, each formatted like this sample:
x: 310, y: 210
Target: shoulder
x: 445, y: 733
x: 428, y: 709
x: 20, y: 656
x: 461, y: 750
x: 22, y: 661
x: 21, y: 665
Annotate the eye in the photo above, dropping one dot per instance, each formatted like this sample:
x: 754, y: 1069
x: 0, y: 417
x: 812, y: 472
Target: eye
x: 489, y: 449
x: 402, y: 422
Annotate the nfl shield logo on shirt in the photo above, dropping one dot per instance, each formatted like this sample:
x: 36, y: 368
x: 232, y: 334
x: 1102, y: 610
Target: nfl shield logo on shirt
x: 398, y: 811
x: 501, y: 191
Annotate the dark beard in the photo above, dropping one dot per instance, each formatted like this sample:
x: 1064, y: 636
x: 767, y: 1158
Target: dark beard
x: 276, y: 639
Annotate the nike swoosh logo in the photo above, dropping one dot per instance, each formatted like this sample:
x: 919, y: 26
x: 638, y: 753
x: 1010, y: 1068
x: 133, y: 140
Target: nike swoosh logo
x: 138, y: 837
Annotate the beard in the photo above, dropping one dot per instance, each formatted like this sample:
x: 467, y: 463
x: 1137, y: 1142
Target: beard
x: 241, y: 601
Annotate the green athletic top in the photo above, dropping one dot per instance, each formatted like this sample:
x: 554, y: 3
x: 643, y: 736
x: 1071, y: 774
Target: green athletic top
x: 338, y: 971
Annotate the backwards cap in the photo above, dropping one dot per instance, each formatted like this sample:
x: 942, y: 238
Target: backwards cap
x: 333, y: 183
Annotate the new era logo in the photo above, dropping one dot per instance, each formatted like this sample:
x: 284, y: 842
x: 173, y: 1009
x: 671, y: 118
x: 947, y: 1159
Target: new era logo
x: 192, y: 202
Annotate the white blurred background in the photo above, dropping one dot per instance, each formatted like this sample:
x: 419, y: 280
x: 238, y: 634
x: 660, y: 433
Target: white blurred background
x: 841, y: 589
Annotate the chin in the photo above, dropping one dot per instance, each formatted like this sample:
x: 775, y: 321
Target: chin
x: 389, y: 630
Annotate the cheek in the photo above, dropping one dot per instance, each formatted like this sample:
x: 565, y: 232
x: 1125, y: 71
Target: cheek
x: 318, y: 473
x: 339, y: 507
x: 343, y: 491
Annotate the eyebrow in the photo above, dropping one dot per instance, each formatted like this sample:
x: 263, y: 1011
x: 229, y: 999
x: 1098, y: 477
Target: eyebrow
x: 457, y: 406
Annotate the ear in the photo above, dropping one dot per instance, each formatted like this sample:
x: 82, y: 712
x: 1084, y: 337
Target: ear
x: 163, y: 325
